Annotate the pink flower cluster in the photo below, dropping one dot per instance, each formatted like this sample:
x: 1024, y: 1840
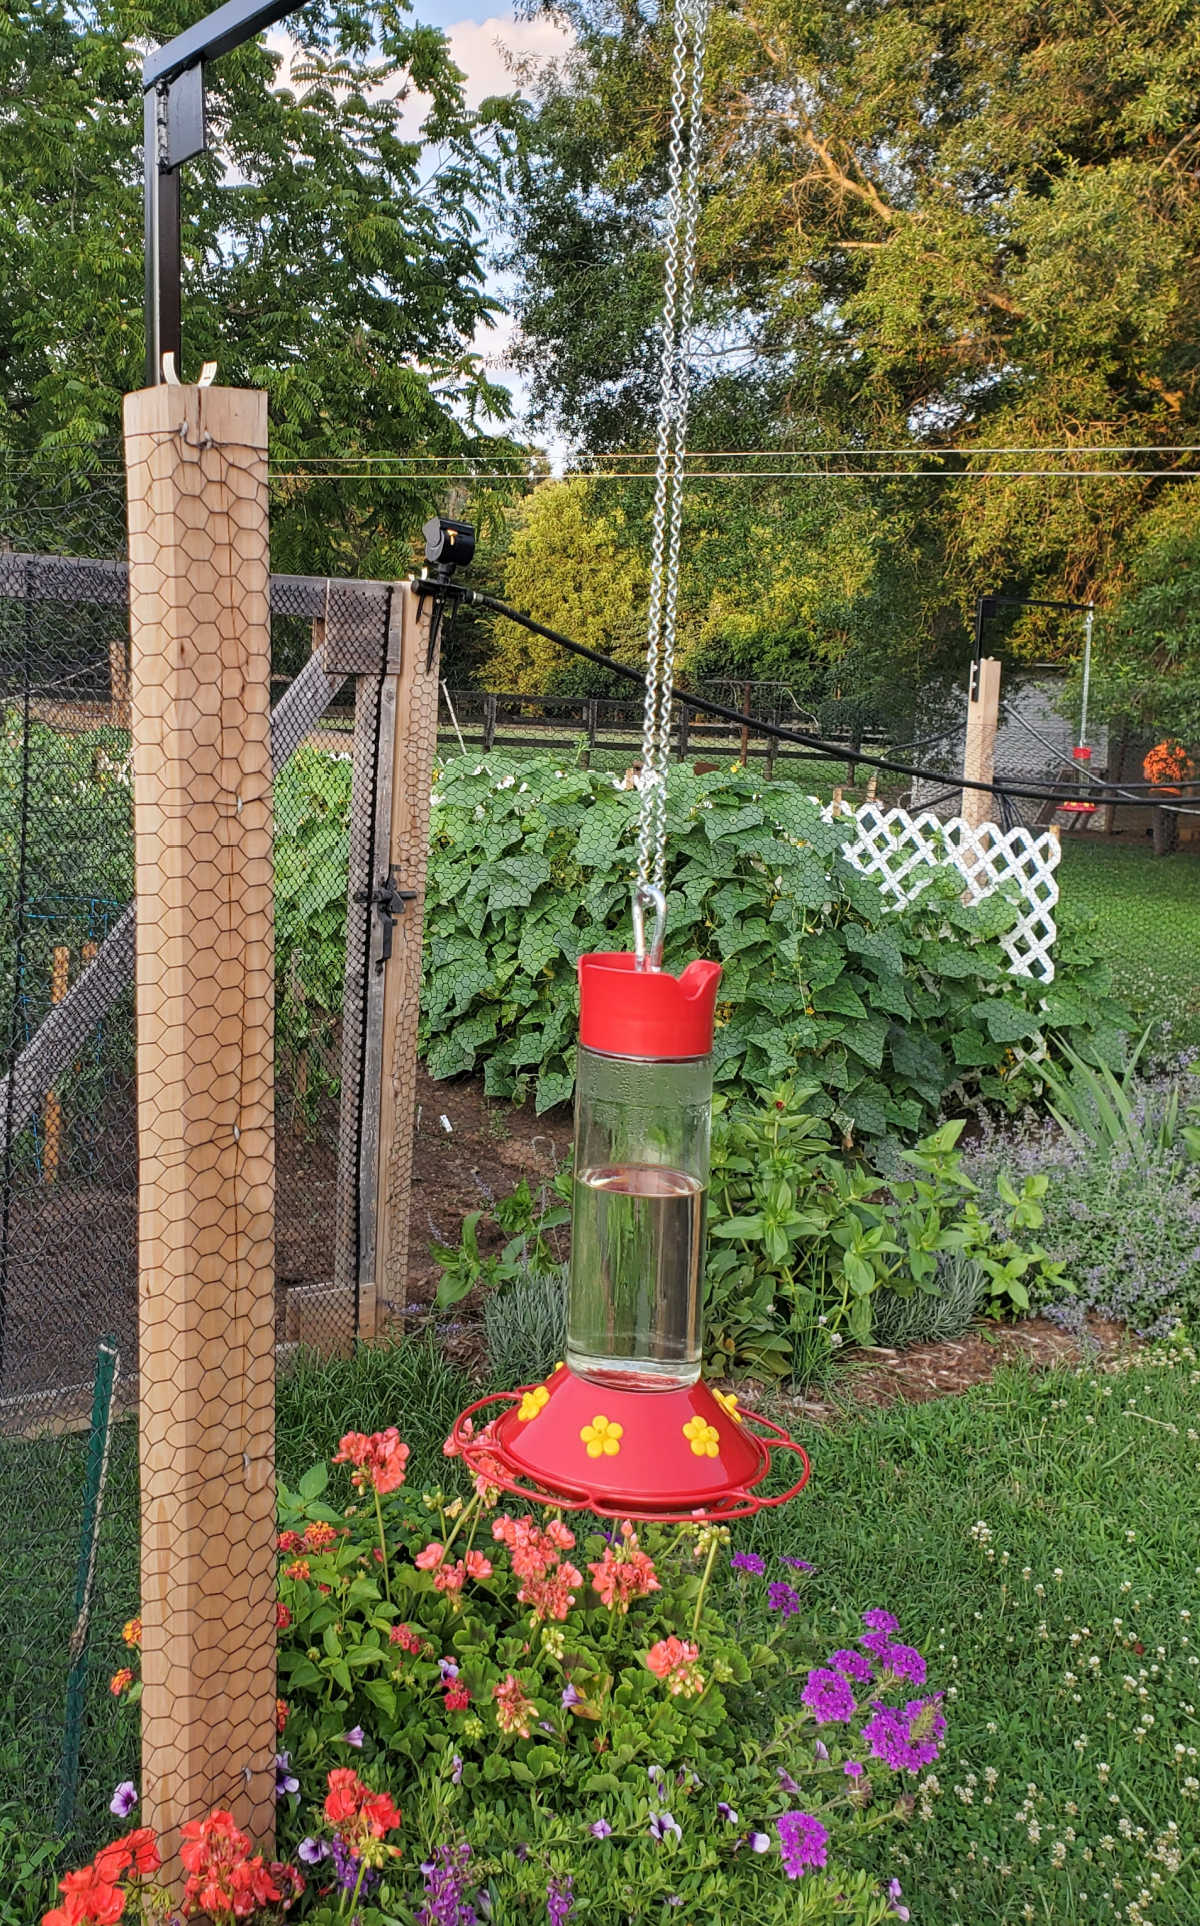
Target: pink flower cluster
x: 548, y: 1580
x: 379, y: 1459
x: 674, y: 1661
x: 514, y: 1710
x: 452, y: 1578
x: 624, y: 1573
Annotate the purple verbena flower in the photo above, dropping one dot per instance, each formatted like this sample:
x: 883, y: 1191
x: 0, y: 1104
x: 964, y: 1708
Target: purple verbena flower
x: 445, y: 1877
x: 852, y: 1769
x: 905, y: 1662
x: 828, y: 1697
x: 852, y: 1665
x: 797, y: 1564
x: 346, y: 1869
x: 124, y: 1799
x: 877, y: 1643
x: 560, y: 1900
x: 906, y: 1740
x: 803, y: 1842
x: 661, y: 1823
x: 748, y: 1562
x: 879, y: 1621
x: 783, y: 1598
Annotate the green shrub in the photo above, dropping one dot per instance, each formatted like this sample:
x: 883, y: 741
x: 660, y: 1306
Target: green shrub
x: 804, y: 1240
x: 886, y: 1012
x: 931, y: 1317
x: 525, y: 1326
x: 802, y: 1237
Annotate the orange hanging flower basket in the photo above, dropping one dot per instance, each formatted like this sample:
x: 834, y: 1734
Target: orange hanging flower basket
x: 1168, y: 763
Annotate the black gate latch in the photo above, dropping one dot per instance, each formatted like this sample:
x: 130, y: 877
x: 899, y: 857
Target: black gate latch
x: 388, y: 901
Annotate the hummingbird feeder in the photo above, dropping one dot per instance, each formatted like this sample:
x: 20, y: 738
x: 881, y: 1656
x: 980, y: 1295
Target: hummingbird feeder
x: 626, y: 1427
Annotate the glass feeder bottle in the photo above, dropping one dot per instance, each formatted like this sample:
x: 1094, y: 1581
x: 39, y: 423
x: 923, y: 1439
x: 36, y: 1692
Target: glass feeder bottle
x: 643, y: 1108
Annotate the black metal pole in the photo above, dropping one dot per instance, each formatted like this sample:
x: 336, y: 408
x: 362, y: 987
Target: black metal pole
x: 173, y: 131
x: 163, y: 264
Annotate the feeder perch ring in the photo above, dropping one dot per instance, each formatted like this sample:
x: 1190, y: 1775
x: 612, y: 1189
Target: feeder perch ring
x: 489, y: 1455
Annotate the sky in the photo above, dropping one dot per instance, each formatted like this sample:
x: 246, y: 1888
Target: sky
x: 479, y: 41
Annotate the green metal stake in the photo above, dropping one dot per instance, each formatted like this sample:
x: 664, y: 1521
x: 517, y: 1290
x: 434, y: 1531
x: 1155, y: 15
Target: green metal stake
x: 107, y: 1366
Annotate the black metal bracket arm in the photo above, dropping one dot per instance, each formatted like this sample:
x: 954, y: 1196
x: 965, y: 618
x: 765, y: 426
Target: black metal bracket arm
x: 174, y: 131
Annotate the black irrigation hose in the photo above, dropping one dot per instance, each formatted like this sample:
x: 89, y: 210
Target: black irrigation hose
x: 832, y: 751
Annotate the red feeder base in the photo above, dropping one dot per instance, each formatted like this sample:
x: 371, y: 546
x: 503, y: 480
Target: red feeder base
x: 644, y: 1454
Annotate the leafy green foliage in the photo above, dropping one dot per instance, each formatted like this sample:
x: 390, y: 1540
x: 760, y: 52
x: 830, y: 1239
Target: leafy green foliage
x: 972, y: 227
x: 527, y: 1224
x: 325, y: 259
x: 312, y: 826
x: 885, y: 1012
x: 802, y: 1238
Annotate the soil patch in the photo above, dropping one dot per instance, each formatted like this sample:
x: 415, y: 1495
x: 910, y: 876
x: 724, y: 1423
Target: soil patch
x: 879, y: 1377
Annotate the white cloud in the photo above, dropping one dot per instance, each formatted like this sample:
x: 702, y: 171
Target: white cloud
x: 483, y: 49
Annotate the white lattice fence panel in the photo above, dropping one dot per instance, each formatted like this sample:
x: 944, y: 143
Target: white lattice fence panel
x: 902, y: 853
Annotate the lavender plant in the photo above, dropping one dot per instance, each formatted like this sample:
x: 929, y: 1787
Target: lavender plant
x: 1121, y: 1211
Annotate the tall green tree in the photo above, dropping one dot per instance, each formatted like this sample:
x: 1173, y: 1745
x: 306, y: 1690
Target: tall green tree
x: 332, y: 254
x: 970, y: 223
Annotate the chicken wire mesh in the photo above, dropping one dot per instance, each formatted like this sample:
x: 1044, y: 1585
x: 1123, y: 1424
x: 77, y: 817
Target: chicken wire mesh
x: 69, y: 1170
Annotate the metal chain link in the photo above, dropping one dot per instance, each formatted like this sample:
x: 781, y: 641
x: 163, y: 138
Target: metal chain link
x: 687, y: 82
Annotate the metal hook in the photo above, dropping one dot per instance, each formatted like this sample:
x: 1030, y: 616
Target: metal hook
x: 647, y: 895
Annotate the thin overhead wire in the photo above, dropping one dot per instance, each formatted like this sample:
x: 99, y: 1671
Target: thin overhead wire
x: 757, y: 474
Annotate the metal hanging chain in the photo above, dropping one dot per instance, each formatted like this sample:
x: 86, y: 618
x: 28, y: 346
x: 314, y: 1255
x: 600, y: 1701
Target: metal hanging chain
x: 687, y: 84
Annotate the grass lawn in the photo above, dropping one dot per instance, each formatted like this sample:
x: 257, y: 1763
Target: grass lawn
x: 1149, y: 915
x: 1036, y: 1537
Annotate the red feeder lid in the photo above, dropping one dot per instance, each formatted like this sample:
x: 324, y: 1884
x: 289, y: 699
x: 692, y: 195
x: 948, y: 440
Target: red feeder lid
x: 627, y: 1012
x: 1081, y: 753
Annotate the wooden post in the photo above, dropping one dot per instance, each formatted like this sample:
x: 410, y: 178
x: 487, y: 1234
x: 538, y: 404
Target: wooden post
x: 52, y: 1146
x: 118, y: 677
x: 983, y: 714
x: 408, y: 853
x: 872, y: 785
x: 747, y: 693
x: 772, y: 752
x: 196, y: 462
x: 685, y: 720
x: 489, y: 723
x: 592, y: 716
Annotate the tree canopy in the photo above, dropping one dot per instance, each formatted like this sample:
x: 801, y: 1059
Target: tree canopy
x: 332, y: 249
x: 968, y: 224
